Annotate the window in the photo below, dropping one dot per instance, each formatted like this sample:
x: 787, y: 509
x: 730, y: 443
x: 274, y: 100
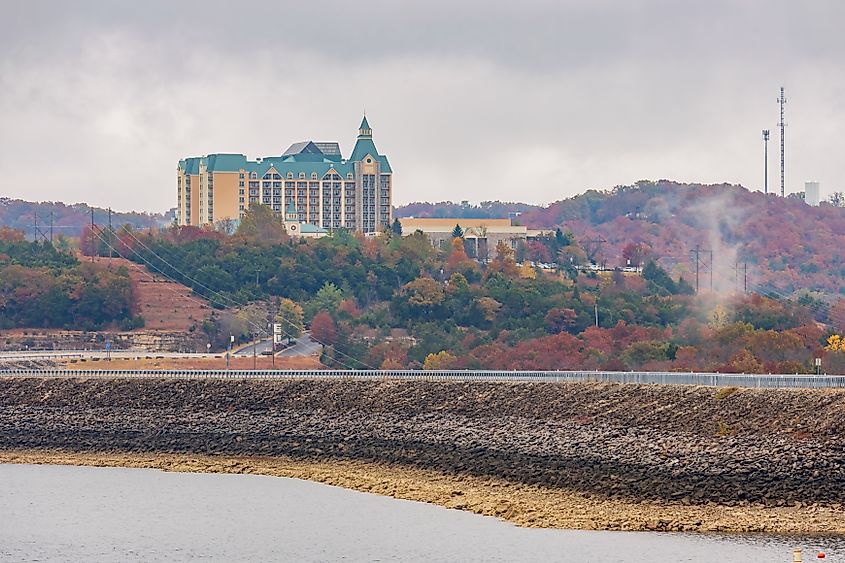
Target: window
x: 290, y: 175
x: 349, y: 175
x: 302, y: 175
x: 313, y: 175
x: 253, y: 176
x: 369, y: 161
x: 241, y: 176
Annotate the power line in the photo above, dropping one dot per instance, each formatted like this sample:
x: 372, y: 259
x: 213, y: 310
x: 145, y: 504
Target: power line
x: 249, y: 321
x: 233, y: 301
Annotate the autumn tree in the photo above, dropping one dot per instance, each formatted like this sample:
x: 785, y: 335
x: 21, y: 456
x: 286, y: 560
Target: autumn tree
x: 527, y: 271
x: 259, y: 225
x: 291, y: 317
x: 634, y: 254
x: 560, y: 320
x: 504, y: 262
x: 323, y: 329
x: 439, y: 361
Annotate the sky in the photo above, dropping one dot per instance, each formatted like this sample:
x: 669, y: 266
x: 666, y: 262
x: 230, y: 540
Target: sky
x: 530, y: 101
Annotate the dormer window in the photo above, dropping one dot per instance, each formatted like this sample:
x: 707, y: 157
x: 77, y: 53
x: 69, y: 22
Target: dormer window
x: 302, y: 175
x: 290, y: 175
x: 253, y: 176
x: 349, y: 175
x: 313, y: 175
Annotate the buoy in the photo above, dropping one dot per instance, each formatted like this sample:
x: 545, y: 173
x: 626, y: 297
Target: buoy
x: 821, y: 555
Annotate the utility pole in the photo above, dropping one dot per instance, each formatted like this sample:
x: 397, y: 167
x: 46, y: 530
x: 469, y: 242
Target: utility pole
x: 257, y: 269
x: 111, y: 255
x: 745, y: 267
x: 35, y: 227
x: 91, y: 238
x: 596, y: 305
x: 51, y: 228
x: 782, y: 124
x: 696, y: 251
x: 765, y: 161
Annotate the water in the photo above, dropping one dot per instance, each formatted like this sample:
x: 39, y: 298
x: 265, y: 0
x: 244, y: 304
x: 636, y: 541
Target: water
x: 61, y: 513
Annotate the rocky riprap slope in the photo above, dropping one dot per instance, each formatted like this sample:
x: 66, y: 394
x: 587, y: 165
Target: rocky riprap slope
x: 689, y: 445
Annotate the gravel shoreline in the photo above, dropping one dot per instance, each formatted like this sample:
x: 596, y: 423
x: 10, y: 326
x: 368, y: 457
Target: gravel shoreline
x: 592, y: 456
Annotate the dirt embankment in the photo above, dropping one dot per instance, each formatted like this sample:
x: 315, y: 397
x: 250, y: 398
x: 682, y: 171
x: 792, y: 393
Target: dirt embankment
x: 578, y: 455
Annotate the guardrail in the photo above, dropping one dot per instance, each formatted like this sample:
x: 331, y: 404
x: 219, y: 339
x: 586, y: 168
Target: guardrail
x: 647, y: 378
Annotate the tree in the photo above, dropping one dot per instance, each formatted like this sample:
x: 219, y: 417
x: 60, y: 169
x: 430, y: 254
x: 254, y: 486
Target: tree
x: 457, y: 232
x: 837, y: 199
x: 458, y: 260
x: 527, y: 271
x: 290, y: 316
x: 423, y: 292
x: 396, y: 227
x: 560, y: 320
x: 835, y: 343
x: 328, y: 298
x: 504, y: 261
x: 635, y: 254
x: 323, y: 329
x: 440, y: 360
x: 260, y: 225
x: 489, y: 308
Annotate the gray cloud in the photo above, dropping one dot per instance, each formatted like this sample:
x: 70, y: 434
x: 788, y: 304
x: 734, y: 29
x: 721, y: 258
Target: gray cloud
x: 471, y: 100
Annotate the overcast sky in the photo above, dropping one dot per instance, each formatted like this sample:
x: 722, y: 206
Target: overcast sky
x: 531, y: 100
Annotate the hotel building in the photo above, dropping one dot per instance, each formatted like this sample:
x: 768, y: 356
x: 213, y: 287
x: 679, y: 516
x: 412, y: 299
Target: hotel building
x: 325, y: 189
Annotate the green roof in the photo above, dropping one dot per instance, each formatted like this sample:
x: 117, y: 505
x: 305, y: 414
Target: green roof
x: 365, y: 146
x: 309, y: 228
x: 305, y: 157
x: 225, y: 162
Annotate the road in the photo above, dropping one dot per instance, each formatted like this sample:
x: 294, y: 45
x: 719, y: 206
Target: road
x: 302, y: 346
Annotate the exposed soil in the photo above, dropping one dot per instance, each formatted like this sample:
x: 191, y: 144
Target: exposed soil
x: 164, y: 305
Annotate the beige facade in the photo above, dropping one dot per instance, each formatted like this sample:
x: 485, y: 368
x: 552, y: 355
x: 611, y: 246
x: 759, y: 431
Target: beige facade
x: 326, y: 190
x: 481, y: 236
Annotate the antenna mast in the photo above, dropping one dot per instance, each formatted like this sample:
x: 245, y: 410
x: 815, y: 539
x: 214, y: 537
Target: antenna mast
x: 765, y: 161
x: 782, y: 125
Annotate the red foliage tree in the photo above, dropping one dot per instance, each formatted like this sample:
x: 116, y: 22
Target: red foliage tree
x: 323, y: 328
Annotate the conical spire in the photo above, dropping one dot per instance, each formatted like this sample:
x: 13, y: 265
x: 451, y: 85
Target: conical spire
x: 364, y: 130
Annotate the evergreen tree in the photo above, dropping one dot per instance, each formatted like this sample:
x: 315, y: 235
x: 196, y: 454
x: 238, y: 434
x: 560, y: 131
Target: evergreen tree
x: 457, y: 232
x: 396, y: 228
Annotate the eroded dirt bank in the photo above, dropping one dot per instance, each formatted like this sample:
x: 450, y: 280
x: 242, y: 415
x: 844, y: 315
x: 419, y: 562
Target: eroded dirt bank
x: 570, y: 455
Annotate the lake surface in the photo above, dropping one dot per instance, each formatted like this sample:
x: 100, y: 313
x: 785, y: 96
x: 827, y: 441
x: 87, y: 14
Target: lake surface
x: 93, y: 514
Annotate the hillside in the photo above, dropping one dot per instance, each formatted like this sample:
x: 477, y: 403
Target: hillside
x: 787, y: 244
x: 163, y: 304
x: 68, y: 220
x: 485, y: 210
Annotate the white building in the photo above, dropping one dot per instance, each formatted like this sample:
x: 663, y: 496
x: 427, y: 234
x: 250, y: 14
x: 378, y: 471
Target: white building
x: 811, y: 193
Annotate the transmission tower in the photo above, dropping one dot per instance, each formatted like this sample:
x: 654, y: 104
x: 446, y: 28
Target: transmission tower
x: 782, y: 125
